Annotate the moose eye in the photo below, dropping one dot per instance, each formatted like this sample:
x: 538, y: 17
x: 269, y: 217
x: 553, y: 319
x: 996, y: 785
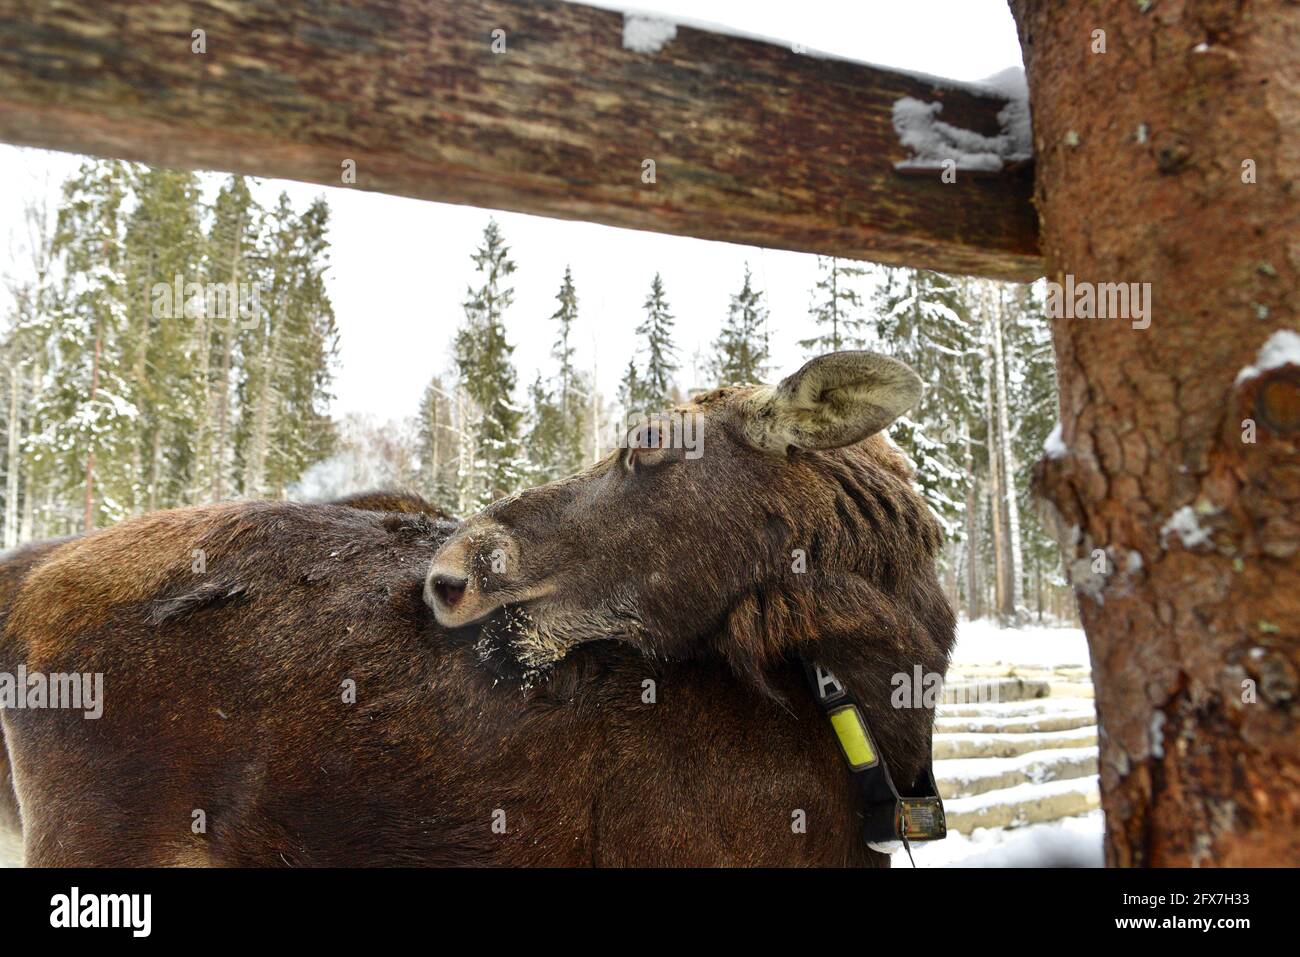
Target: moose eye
x: 645, y: 447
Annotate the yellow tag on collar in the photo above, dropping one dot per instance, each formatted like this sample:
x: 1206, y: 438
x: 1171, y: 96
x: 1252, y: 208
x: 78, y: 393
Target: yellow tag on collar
x: 854, y: 738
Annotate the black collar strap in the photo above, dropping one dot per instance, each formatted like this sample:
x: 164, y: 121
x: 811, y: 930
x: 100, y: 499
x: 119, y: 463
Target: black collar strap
x: 888, y: 816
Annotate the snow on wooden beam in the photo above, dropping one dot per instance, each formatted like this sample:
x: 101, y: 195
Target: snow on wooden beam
x: 530, y: 105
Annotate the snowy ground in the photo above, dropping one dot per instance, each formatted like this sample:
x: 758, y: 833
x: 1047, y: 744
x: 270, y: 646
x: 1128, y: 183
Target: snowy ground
x: 984, y: 643
x: 1069, y: 842
x: 1029, y: 766
x: 11, y: 850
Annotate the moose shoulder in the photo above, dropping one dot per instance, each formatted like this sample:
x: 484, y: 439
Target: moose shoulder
x: 299, y: 702
x: 17, y: 563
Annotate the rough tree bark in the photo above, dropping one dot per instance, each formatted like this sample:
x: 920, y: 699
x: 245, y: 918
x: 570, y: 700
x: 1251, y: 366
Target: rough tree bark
x: 1194, y: 633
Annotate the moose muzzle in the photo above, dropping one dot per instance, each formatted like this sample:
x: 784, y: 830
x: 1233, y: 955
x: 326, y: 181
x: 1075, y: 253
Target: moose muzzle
x: 472, y: 574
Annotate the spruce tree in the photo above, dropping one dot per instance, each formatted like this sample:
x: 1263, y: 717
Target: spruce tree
x: 741, y: 348
x: 304, y: 433
x: 546, y: 433
x: 657, y: 329
x: 87, y: 419
x: 483, y: 360
x: 438, y: 445
x: 572, y: 395
x: 287, y: 356
x: 230, y: 258
x: 1033, y: 400
x: 163, y: 242
x: 836, y: 308
x: 922, y: 318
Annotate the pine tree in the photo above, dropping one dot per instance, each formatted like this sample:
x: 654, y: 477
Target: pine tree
x: 741, y: 348
x: 631, y: 393
x: 655, y: 384
x: 288, y: 355
x: 923, y: 318
x: 438, y: 436
x: 163, y: 243
x: 1032, y: 396
x: 483, y: 360
x: 304, y: 433
x: 230, y: 258
x: 28, y: 329
x: 836, y: 308
x: 559, y: 408
x: 86, y: 419
x: 546, y: 434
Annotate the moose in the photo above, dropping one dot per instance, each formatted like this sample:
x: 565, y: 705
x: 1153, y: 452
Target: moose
x: 599, y: 671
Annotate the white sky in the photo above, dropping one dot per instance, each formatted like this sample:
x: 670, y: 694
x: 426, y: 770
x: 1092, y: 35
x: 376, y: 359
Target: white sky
x: 400, y: 267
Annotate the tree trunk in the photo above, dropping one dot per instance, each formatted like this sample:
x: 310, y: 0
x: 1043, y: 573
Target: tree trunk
x: 1145, y: 156
x: 973, y: 609
x: 222, y: 440
x: 12, y: 463
x: 27, y: 526
x: 203, y: 430
x: 260, y: 433
x: 89, y: 520
x: 1014, y: 587
x: 995, y: 487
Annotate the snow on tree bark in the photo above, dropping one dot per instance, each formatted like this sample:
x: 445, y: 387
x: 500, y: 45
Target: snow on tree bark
x: 1172, y: 160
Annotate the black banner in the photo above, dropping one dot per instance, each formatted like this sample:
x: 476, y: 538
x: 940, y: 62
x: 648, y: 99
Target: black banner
x: 934, y: 907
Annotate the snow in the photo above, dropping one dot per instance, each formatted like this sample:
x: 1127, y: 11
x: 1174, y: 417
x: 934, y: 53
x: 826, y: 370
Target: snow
x: 1158, y: 734
x: 1025, y: 723
x: 1031, y: 791
x: 1185, y: 525
x: 1041, y: 707
x: 1010, y: 82
x: 1054, y: 446
x: 1282, y: 348
x: 1069, y: 842
x: 1035, y: 764
x: 646, y: 34
x: 723, y: 29
x: 1041, y: 740
x: 933, y: 141
x: 983, y: 642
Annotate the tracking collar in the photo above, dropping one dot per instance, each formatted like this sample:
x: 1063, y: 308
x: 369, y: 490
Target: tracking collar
x: 888, y: 816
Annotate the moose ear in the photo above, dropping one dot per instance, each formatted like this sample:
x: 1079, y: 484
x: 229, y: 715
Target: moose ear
x: 833, y: 401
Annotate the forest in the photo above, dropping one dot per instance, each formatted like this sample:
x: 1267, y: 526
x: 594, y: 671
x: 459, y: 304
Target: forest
x: 162, y: 350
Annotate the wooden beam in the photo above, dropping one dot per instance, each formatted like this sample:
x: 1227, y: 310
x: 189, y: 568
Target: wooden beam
x: 752, y: 142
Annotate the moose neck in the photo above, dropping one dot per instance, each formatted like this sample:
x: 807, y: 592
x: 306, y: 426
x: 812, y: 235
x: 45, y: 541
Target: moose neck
x: 878, y: 643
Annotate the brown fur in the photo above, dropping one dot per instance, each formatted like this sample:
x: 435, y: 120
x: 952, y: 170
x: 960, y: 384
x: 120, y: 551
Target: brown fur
x: 685, y: 559
x: 223, y: 693
x: 224, y: 689
x: 384, y: 500
x: 16, y: 563
x: 14, y: 566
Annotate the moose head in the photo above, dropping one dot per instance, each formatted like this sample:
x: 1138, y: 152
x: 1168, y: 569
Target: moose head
x: 791, y: 516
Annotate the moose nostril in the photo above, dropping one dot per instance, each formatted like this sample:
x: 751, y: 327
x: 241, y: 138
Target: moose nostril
x: 449, y: 590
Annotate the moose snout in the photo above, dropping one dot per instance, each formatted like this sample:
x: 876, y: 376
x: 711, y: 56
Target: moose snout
x: 471, y: 575
x: 447, y: 590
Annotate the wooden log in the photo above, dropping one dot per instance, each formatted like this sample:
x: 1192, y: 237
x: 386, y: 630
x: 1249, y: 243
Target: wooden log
x: 752, y: 142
